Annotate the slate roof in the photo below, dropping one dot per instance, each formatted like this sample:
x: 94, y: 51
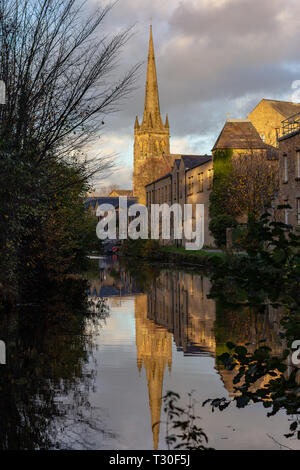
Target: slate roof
x: 285, y: 108
x: 159, y: 179
x: 191, y: 161
x: 239, y: 134
x: 114, y: 201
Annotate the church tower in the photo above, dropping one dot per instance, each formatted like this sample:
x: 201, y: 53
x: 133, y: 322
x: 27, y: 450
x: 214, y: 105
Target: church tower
x: 151, y: 137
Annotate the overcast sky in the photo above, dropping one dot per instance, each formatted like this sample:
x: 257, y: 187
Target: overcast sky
x: 214, y: 58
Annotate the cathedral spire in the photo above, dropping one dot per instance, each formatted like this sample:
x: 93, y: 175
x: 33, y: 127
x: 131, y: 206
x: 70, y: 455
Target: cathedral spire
x: 152, y: 136
x: 167, y: 122
x: 151, y: 108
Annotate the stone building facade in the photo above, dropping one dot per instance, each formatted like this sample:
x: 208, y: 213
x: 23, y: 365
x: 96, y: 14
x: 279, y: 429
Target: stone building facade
x: 163, y: 177
x: 188, y: 182
x: 241, y: 136
x: 289, y: 171
x: 267, y: 117
x: 243, y: 139
x: 195, y: 183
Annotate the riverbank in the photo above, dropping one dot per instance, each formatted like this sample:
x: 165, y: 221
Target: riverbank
x: 151, y: 250
x: 180, y: 256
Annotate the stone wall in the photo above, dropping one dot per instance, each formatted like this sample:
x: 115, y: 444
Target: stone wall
x: 266, y: 120
x: 289, y: 188
x: 198, y: 193
x: 175, y: 189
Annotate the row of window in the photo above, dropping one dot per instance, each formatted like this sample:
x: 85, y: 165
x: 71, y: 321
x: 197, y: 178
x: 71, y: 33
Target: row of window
x: 200, y: 180
x: 286, y: 167
x: 164, y: 194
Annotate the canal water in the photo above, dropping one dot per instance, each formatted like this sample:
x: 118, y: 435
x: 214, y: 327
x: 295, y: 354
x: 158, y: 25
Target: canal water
x: 98, y: 381
x: 165, y: 335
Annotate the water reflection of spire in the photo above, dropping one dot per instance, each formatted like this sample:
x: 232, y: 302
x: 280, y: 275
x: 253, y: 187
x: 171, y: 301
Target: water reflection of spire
x: 154, y: 352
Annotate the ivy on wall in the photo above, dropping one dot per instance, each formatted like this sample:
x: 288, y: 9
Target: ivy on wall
x: 219, y: 197
x: 222, y: 172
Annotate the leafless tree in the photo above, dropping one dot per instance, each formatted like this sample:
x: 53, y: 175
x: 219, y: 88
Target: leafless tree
x: 104, y: 191
x: 59, y: 70
x: 253, y: 182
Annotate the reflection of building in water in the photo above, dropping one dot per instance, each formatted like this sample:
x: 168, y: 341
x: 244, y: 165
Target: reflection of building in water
x: 179, y: 302
x: 154, y: 352
x: 176, y: 305
x: 113, y: 281
x: 251, y: 328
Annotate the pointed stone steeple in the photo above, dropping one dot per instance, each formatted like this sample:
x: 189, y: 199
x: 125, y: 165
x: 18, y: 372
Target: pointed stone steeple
x: 167, y: 122
x: 151, y: 107
x: 152, y: 136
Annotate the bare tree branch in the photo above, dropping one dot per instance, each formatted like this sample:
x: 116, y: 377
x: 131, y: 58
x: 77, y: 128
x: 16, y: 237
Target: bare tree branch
x: 58, y: 67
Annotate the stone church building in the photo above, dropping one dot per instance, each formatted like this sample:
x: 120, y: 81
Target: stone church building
x: 152, y: 136
x: 152, y: 156
x: 160, y: 176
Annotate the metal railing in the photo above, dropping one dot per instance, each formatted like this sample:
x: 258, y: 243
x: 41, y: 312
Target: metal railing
x: 290, y: 125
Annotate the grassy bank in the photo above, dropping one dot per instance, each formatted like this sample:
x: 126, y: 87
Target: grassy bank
x: 153, y: 251
x: 202, y: 257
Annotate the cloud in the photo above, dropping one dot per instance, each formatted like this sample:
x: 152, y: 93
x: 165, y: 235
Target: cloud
x: 122, y: 176
x: 117, y: 147
x: 213, y: 57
